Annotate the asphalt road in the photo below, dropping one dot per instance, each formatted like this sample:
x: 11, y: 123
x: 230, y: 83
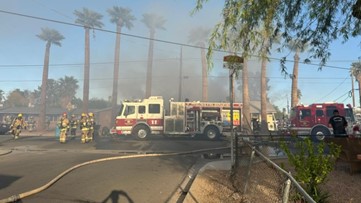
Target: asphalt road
x: 35, y: 160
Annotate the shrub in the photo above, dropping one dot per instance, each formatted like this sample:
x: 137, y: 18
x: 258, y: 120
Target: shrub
x: 312, y: 164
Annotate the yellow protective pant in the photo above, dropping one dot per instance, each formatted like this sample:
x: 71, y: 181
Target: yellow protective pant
x: 62, y: 136
x: 84, y: 135
x: 16, y: 133
x: 90, y: 135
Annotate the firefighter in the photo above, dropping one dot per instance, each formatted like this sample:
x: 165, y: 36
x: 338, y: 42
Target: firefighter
x: 83, y: 125
x: 16, y: 125
x: 73, y: 126
x: 91, y: 125
x: 63, y: 125
x: 338, y: 124
x: 31, y: 124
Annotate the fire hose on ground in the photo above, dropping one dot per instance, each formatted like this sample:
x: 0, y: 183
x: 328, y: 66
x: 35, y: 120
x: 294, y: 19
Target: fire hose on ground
x: 23, y: 195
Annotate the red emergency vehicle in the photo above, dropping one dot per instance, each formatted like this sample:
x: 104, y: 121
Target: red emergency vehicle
x: 312, y: 120
x: 142, y: 118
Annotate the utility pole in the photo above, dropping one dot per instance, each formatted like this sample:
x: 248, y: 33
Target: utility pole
x: 353, y: 91
x: 233, y: 63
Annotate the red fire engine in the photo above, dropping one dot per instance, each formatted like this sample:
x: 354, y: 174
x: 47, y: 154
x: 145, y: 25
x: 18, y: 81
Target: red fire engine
x: 313, y: 119
x: 145, y: 117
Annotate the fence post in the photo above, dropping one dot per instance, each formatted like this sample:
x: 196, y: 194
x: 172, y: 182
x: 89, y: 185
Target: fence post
x: 286, y: 193
x: 249, y: 171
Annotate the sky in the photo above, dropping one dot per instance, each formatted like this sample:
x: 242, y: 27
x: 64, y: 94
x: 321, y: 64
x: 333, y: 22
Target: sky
x: 22, y: 53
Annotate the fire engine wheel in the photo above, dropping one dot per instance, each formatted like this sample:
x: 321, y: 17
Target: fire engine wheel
x: 212, y: 133
x: 319, y: 133
x: 141, y: 132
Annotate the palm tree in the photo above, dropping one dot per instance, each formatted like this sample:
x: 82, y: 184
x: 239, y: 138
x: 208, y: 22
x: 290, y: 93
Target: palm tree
x: 264, y: 59
x: 121, y: 17
x: 356, y: 71
x: 90, y: 20
x: 153, y: 22
x: 297, y: 47
x: 50, y: 36
x: 199, y: 36
x: 245, y: 97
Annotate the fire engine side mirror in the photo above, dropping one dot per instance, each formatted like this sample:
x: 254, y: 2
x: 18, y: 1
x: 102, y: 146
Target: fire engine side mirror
x: 300, y: 115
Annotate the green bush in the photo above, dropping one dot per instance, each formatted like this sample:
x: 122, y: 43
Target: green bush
x: 312, y: 164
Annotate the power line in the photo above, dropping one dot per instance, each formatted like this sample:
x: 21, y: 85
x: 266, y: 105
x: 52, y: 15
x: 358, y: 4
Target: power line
x: 103, y: 30
x: 158, y: 40
x: 347, y: 93
x: 169, y: 76
x: 53, y: 10
x: 333, y: 89
x: 94, y: 63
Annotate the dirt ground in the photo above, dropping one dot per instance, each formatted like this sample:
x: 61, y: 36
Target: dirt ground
x: 215, y: 186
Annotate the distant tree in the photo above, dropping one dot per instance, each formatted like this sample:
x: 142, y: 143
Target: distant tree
x: 17, y: 98
x: 67, y: 90
x: 52, y: 93
x: 199, y: 36
x: 77, y: 102
x: 121, y: 17
x: 95, y: 103
x: 279, y: 114
x: 60, y: 92
x: 90, y: 20
x: 50, y: 36
x: 153, y: 22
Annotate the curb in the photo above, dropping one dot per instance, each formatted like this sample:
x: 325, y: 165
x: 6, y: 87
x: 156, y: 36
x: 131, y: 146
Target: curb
x: 5, y: 152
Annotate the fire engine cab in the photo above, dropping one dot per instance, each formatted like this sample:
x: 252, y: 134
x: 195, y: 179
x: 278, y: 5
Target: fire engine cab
x: 313, y: 119
x: 142, y: 118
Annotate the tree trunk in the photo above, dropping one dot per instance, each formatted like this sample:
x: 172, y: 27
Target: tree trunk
x: 148, y: 87
x: 44, y: 84
x: 86, y: 73
x: 264, y: 125
x: 204, y: 75
x: 294, y: 94
x: 116, y: 75
x: 245, y: 97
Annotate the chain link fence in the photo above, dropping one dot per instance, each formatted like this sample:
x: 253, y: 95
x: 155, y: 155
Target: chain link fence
x: 261, y: 176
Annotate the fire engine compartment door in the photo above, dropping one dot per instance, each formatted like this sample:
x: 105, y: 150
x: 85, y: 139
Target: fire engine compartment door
x: 174, y: 123
x: 305, y: 117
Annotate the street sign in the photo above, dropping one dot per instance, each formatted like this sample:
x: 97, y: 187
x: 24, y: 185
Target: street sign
x: 232, y: 62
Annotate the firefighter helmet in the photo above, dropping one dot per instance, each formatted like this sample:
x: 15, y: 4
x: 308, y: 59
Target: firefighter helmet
x: 65, y: 114
x: 20, y: 115
x: 83, y: 114
x: 73, y: 116
x: 91, y: 114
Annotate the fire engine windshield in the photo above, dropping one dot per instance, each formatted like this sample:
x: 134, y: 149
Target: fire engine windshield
x: 349, y: 115
x: 121, y: 110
